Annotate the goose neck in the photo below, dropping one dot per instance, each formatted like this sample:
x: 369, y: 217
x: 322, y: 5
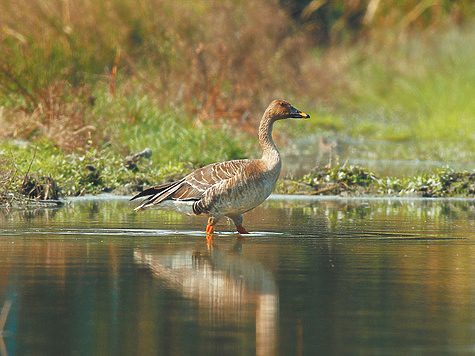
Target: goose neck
x: 270, y: 153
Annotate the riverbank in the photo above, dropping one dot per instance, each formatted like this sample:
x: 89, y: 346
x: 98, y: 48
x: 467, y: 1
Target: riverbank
x: 130, y: 176
x: 74, y: 115
x: 357, y: 181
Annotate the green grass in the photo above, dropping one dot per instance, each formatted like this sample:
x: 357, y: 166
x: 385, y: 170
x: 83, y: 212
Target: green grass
x: 172, y: 136
x: 357, y: 181
x: 133, y: 123
x: 412, y: 98
x: 428, y: 87
x: 416, y: 95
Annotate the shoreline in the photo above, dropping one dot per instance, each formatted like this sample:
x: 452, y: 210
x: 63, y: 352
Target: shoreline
x: 339, y: 183
x: 342, y: 181
x: 28, y: 204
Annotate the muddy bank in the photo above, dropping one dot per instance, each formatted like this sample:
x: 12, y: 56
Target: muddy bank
x: 340, y: 181
x: 357, y: 181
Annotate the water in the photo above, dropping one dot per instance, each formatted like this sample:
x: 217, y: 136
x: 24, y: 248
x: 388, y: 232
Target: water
x: 303, y: 155
x: 316, y: 276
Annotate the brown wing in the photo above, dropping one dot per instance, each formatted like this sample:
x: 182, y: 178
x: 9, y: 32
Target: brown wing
x: 199, y: 181
x: 194, y: 185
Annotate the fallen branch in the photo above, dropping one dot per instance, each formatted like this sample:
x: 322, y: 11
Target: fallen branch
x: 327, y: 189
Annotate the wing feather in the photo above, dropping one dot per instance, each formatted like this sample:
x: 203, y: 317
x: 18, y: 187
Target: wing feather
x: 194, y: 185
x: 199, y: 181
x: 153, y: 190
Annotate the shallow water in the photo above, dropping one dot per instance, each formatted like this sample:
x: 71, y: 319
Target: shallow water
x: 315, y: 276
x: 304, y: 154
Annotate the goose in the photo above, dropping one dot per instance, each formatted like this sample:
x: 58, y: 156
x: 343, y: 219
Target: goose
x: 227, y: 189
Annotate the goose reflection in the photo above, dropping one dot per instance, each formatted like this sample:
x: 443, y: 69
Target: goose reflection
x: 228, y: 288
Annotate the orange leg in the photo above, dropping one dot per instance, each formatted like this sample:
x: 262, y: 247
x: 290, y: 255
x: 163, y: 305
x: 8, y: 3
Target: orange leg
x: 209, y: 241
x: 241, y: 230
x: 209, y: 228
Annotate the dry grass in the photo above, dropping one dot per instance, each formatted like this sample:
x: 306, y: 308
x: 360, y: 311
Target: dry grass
x: 331, y: 22
x: 7, y: 176
x: 220, y: 60
x: 60, y: 114
x: 190, y: 54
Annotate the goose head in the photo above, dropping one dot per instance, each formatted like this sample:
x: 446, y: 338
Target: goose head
x: 281, y: 109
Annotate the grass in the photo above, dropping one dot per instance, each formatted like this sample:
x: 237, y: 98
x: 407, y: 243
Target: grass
x: 174, y: 136
x: 189, y: 54
x: 134, y: 123
x: 431, y: 85
x: 87, y: 84
x: 417, y: 95
x: 357, y: 181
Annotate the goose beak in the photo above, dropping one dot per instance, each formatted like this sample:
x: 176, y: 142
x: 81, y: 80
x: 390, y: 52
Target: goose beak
x: 297, y: 114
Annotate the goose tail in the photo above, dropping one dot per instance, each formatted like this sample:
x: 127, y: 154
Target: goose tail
x: 157, y: 194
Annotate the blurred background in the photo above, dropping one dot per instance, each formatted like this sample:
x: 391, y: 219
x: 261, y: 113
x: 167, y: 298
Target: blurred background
x: 386, y: 82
